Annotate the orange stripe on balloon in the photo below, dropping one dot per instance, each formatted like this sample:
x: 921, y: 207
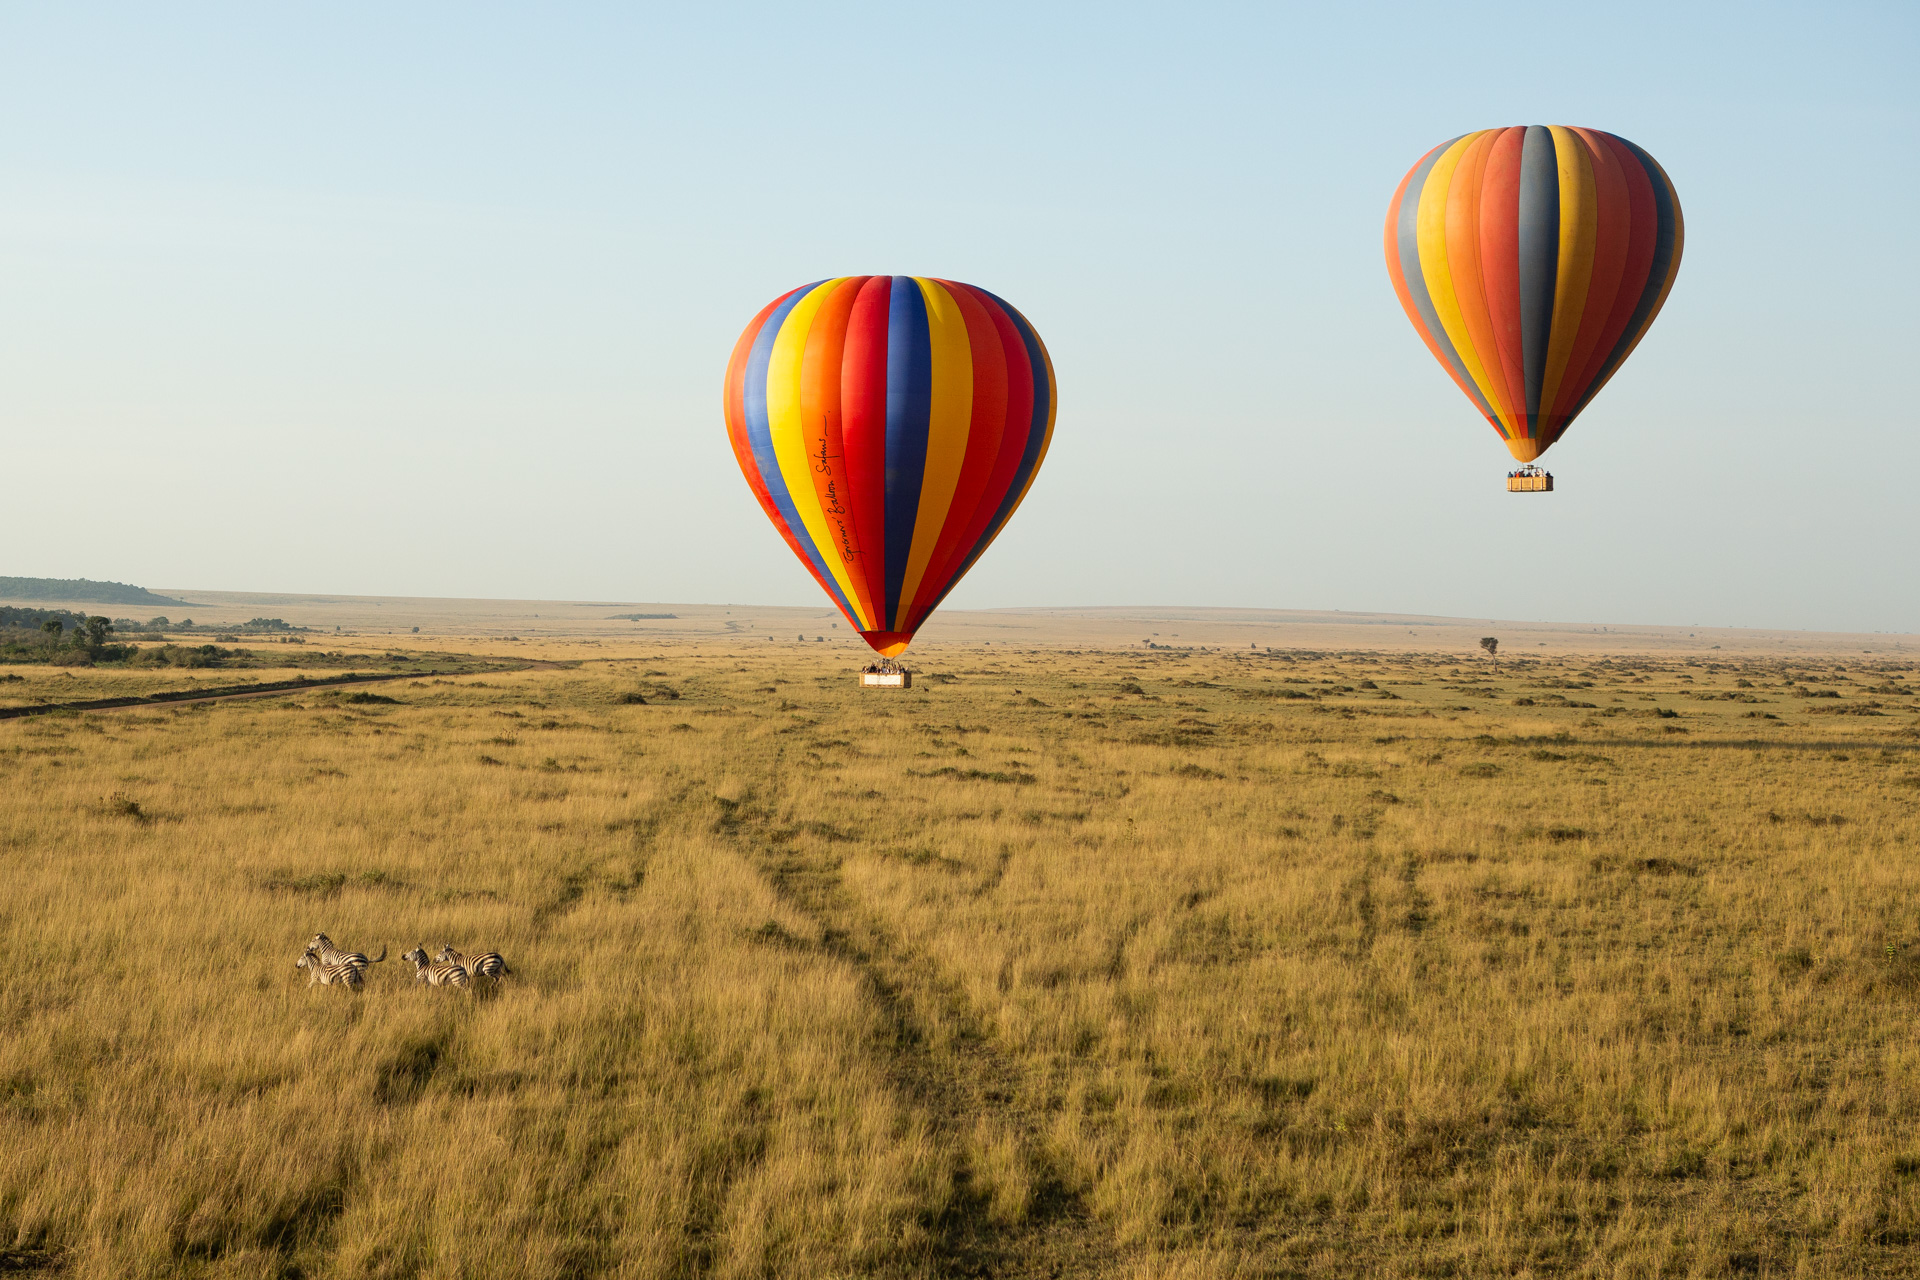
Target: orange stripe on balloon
x: 1463, y: 258
x: 733, y: 396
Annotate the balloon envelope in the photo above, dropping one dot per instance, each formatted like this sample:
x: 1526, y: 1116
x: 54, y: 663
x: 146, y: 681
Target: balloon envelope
x: 889, y: 425
x: 1532, y: 260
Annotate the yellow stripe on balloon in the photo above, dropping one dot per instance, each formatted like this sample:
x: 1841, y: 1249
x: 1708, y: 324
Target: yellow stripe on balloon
x: 1053, y: 410
x: 949, y: 419
x: 1579, y: 227
x: 787, y: 431
x: 1435, y: 268
x: 1046, y: 443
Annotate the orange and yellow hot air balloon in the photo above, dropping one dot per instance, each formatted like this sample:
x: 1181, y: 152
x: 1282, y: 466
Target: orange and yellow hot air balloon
x: 889, y: 426
x: 1532, y: 260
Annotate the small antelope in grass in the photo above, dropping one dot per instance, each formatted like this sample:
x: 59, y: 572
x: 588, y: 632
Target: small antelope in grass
x: 329, y: 975
x: 441, y: 973
x: 323, y: 946
x: 488, y: 964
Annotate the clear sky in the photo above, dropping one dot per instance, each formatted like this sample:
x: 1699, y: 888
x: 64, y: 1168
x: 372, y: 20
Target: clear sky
x: 436, y: 299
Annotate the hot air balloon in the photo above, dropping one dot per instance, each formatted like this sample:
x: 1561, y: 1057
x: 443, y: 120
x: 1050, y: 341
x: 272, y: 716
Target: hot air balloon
x: 889, y: 426
x: 1532, y: 260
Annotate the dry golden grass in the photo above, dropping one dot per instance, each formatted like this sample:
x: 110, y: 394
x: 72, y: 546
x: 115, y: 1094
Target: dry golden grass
x: 1143, y: 964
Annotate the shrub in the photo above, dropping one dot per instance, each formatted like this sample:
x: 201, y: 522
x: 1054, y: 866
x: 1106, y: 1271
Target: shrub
x: 121, y: 805
x: 1195, y: 771
x: 191, y: 656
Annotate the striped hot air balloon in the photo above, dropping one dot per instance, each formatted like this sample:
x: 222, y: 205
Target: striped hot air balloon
x: 1532, y: 260
x: 889, y: 425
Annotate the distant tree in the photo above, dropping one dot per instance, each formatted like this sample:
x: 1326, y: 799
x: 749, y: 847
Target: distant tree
x: 92, y: 634
x: 159, y: 622
x: 1492, y: 645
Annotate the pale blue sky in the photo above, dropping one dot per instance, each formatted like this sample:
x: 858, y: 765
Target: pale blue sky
x: 436, y: 299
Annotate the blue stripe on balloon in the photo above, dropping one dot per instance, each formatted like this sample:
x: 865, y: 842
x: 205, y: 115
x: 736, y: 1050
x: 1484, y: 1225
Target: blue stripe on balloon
x: 1539, y: 259
x: 753, y: 403
x: 909, y: 416
x: 1406, y: 238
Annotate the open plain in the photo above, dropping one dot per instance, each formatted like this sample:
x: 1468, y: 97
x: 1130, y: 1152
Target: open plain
x: 1074, y: 959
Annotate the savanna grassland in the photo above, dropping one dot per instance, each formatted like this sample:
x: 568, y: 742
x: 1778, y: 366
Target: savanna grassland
x: 1132, y: 963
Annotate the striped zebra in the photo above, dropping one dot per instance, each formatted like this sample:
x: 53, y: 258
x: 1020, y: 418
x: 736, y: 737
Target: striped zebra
x: 442, y: 973
x: 323, y: 946
x: 329, y: 975
x: 488, y: 964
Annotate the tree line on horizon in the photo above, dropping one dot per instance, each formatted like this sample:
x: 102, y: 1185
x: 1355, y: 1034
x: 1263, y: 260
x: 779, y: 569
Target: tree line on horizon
x: 63, y: 637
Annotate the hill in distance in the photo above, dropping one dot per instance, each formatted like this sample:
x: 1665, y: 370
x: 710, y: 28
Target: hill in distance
x: 80, y: 590
x: 1113, y: 627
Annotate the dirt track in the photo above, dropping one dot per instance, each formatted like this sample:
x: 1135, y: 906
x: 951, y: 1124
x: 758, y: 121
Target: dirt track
x: 189, y: 697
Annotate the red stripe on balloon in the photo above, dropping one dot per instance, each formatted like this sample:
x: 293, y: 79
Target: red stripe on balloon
x: 863, y: 430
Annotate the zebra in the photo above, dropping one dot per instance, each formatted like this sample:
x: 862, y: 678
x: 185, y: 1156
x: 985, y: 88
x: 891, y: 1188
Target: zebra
x: 323, y: 946
x: 327, y: 975
x: 488, y: 964
x: 444, y: 973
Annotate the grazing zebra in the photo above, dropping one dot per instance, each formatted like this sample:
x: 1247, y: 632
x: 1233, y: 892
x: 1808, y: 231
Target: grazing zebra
x: 327, y: 975
x: 323, y: 946
x: 443, y: 973
x: 488, y: 964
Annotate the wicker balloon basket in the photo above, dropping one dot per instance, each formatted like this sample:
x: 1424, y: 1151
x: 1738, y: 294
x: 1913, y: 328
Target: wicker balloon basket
x: 1529, y: 479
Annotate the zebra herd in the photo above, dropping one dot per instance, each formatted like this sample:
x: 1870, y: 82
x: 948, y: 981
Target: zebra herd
x: 328, y: 966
